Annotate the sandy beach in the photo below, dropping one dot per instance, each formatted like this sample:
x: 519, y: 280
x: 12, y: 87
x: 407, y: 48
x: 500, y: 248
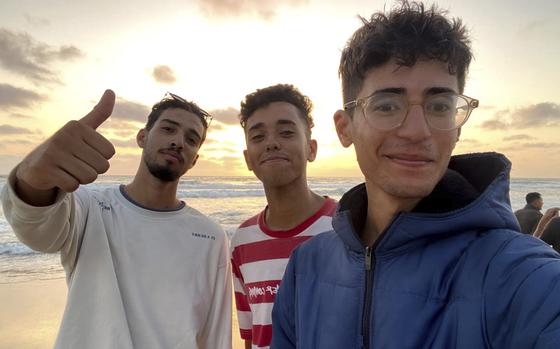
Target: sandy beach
x: 31, y: 313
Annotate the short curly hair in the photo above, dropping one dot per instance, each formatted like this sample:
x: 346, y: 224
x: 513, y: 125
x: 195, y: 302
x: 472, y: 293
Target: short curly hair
x: 277, y: 93
x: 407, y: 33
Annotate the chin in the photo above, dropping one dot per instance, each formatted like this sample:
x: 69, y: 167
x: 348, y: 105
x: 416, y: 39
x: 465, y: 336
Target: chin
x: 276, y: 178
x: 408, y: 188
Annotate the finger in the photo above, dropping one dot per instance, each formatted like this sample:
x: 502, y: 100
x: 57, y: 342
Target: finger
x: 78, y: 169
x: 92, y: 157
x: 65, y: 181
x: 100, y: 144
x: 101, y: 111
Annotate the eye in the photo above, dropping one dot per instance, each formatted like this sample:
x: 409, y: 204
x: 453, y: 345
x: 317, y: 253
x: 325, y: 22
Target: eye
x: 287, y: 133
x: 256, y: 138
x: 384, y: 105
x: 190, y: 141
x: 444, y: 105
x: 167, y: 129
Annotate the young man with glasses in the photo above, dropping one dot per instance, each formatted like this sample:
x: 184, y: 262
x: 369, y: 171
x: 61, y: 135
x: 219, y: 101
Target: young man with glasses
x: 426, y: 252
x: 277, y: 123
x: 144, y: 270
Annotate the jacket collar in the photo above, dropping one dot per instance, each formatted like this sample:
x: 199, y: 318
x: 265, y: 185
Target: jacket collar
x: 475, y: 185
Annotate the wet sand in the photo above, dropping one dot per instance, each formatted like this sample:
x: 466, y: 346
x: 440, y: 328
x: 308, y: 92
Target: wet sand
x: 31, y: 313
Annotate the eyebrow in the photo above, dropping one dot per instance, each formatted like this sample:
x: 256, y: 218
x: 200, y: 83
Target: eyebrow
x: 190, y: 130
x: 279, y: 122
x: 399, y: 90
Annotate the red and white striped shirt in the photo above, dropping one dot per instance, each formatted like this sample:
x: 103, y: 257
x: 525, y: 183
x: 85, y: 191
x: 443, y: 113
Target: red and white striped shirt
x: 259, y: 257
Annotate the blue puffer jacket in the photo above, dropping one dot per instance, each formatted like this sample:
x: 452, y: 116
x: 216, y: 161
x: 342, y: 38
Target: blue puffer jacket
x: 454, y: 273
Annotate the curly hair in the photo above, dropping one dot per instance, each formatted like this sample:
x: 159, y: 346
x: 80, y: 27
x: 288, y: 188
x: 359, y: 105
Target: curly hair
x: 407, y: 33
x: 277, y: 93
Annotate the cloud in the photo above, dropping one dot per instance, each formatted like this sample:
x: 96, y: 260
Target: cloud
x: 494, y: 125
x: 11, y: 96
x: 21, y: 54
x: 129, y: 143
x: 163, y: 74
x: 265, y: 9
x: 130, y: 111
x: 469, y: 141
x: 520, y: 137
x: 20, y: 116
x: 534, y: 27
x: 35, y: 21
x: 13, y: 130
x: 228, y: 116
x: 533, y: 116
x: 542, y: 145
x: 549, y: 147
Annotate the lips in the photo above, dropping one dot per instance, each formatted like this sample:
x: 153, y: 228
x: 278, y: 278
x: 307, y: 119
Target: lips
x: 410, y: 160
x: 274, y: 158
x: 172, y: 155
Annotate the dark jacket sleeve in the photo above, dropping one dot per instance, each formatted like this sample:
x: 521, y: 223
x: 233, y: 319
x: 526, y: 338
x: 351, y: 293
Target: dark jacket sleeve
x: 283, y: 312
x: 521, y: 295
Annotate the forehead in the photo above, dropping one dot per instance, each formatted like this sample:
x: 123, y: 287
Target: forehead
x: 182, y: 118
x: 274, y: 114
x: 415, y: 80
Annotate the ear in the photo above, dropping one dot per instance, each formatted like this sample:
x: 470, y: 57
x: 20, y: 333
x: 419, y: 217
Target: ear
x: 141, y: 138
x: 247, y: 160
x: 312, y: 150
x: 343, y: 125
x: 458, y: 134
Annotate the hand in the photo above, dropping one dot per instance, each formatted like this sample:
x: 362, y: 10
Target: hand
x: 547, y: 217
x: 551, y: 213
x: 76, y: 154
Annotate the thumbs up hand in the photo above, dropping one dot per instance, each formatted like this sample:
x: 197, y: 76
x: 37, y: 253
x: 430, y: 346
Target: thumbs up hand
x: 76, y: 154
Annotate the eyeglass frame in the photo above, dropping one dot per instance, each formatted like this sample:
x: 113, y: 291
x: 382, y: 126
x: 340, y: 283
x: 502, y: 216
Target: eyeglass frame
x: 472, y: 104
x: 205, y: 117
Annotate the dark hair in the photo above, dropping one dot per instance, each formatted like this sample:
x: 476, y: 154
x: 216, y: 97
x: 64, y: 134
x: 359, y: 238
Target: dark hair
x: 408, y: 33
x: 175, y: 102
x: 532, y: 197
x: 277, y: 93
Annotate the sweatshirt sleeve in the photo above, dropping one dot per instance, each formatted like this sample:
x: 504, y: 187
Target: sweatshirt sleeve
x: 284, y: 310
x: 521, y: 296
x: 54, y: 228
x: 217, y: 332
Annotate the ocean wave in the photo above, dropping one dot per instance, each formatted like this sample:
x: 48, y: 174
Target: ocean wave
x: 16, y: 249
x: 221, y: 193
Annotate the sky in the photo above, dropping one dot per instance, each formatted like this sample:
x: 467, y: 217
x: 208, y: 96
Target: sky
x: 57, y: 57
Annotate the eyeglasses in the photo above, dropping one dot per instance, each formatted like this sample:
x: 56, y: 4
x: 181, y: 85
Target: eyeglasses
x: 387, y: 111
x: 204, y: 116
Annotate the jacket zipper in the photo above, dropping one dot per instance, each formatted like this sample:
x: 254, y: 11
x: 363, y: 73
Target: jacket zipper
x: 367, y: 304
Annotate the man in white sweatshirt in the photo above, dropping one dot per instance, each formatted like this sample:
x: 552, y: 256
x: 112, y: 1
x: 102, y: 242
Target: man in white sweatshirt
x: 144, y: 270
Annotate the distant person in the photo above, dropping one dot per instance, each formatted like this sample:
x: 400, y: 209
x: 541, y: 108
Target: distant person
x: 426, y: 253
x: 530, y: 215
x: 144, y: 270
x: 277, y: 123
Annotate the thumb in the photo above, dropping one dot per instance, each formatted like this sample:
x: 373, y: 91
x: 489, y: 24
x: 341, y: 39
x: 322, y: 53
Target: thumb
x: 101, y: 111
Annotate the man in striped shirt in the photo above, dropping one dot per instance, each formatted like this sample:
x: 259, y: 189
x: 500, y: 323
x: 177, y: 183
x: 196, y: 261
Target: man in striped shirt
x: 277, y: 123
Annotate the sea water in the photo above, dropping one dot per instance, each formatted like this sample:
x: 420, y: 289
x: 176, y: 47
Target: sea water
x: 227, y: 200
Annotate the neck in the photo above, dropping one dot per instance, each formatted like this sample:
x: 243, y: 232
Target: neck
x: 152, y: 192
x: 290, y: 205
x: 382, y: 209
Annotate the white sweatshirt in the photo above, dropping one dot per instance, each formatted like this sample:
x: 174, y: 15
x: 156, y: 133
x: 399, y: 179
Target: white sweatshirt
x: 137, y: 278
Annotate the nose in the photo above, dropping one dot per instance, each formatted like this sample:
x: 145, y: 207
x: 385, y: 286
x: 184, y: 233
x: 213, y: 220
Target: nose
x: 177, y: 142
x: 272, y: 144
x: 415, y: 127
